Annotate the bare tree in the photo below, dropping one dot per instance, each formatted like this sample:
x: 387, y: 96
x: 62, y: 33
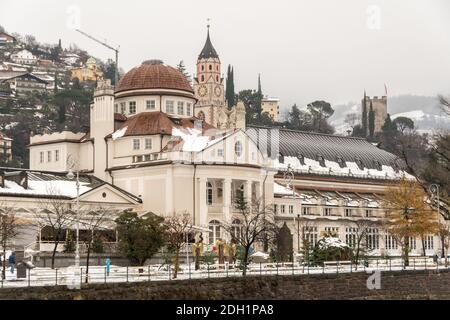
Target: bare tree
x: 444, y: 235
x: 358, y: 238
x: 256, y: 225
x: 8, y: 231
x: 177, y: 227
x: 55, y: 216
x: 94, y: 221
x: 445, y: 104
x: 308, y: 237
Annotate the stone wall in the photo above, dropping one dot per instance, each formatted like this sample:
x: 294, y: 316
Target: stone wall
x: 394, y: 285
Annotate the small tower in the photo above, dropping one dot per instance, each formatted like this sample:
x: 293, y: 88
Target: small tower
x: 208, y: 84
x: 379, y: 105
x: 102, y: 124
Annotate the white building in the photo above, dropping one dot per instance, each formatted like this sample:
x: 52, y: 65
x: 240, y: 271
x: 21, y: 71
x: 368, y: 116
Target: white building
x: 145, y: 139
x: 24, y: 57
x: 31, y: 193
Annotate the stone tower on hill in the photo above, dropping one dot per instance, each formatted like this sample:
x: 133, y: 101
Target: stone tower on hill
x: 379, y: 106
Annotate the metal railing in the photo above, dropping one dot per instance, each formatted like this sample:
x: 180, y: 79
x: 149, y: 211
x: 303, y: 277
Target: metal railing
x: 74, y: 277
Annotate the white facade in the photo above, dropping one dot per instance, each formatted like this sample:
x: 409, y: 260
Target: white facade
x: 24, y: 57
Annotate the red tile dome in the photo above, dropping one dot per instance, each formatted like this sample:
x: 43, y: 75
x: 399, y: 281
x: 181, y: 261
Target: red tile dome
x: 153, y: 74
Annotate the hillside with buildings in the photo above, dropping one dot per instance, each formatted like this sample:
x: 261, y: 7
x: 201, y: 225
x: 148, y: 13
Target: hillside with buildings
x: 43, y: 87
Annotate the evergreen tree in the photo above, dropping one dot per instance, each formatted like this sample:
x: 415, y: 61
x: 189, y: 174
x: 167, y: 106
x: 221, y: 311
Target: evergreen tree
x: 259, y: 97
x: 295, y: 118
x: 389, y: 133
x: 364, y: 114
x: 110, y: 71
x: 371, y: 122
x: 230, y: 96
x: 182, y: 68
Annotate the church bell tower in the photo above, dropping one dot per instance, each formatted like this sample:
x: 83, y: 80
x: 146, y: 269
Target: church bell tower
x: 208, y: 84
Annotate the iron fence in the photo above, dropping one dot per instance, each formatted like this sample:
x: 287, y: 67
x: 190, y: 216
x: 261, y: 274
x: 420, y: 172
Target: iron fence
x: 74, y: 277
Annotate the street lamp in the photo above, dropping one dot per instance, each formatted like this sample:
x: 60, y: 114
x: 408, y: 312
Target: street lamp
x: 434, y: 189
x: 288, y: 176
x: 71, y: 176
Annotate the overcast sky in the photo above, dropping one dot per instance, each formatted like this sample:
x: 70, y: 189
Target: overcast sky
x: 304, y: 50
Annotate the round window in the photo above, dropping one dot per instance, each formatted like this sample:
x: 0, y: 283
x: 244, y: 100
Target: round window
x: 104, y: 195
x: 238, y: 148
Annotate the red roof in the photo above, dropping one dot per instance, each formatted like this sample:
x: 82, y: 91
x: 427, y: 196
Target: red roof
x: 154, y: 74
x: 148, y: 123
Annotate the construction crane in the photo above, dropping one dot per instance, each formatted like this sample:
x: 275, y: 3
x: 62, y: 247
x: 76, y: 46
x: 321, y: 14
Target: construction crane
x: 116, y: 51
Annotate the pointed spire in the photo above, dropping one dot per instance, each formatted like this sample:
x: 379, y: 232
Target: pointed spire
x: 208, y: 50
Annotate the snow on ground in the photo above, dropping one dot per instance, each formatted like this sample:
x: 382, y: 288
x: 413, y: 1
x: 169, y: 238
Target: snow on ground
x: 72, y: 276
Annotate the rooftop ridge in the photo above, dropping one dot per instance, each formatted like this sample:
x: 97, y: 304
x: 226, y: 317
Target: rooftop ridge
x: 308, y: 132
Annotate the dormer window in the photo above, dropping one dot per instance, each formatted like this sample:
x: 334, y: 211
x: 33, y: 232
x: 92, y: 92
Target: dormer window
x: 378, y: 165
x: 301, y: 158
x: 321, y: 160
x: 395, y: 167
x: 360, y: 164
x: 280, y: 158
x: 341, y: 162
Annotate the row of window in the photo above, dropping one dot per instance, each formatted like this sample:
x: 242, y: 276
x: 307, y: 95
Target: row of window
x: 210, y: 67
x: 49, y: 156
x: 306, y: 211
x: 147, y: 144
x: 150, y: 105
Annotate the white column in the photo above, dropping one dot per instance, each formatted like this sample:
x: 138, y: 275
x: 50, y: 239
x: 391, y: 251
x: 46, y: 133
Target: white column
x: 248, y: 191
x: 227, y: 199
x: 203, y: 207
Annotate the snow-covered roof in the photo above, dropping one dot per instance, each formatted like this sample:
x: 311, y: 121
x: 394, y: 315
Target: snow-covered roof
x: 194, y: 140
x: 351, y: 169
x: 332, y: 242
x: 323, y: 154
x: 280, y: 190
x: 43, y: 184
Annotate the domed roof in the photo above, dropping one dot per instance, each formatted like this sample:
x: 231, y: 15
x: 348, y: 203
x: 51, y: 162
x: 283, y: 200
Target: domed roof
x: 153, y: 74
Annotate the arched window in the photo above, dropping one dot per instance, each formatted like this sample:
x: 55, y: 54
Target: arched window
x: 341, y: 162
x: 321, y: 160
x: 210, y: 67
x: 301, y: 158
x: 378, y: 165
x: 236, y: 229
x: 203, y: 67
x: 360, y: 164
x: 203, y: 78
x: 214, y: 231
x: 209, y: 193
